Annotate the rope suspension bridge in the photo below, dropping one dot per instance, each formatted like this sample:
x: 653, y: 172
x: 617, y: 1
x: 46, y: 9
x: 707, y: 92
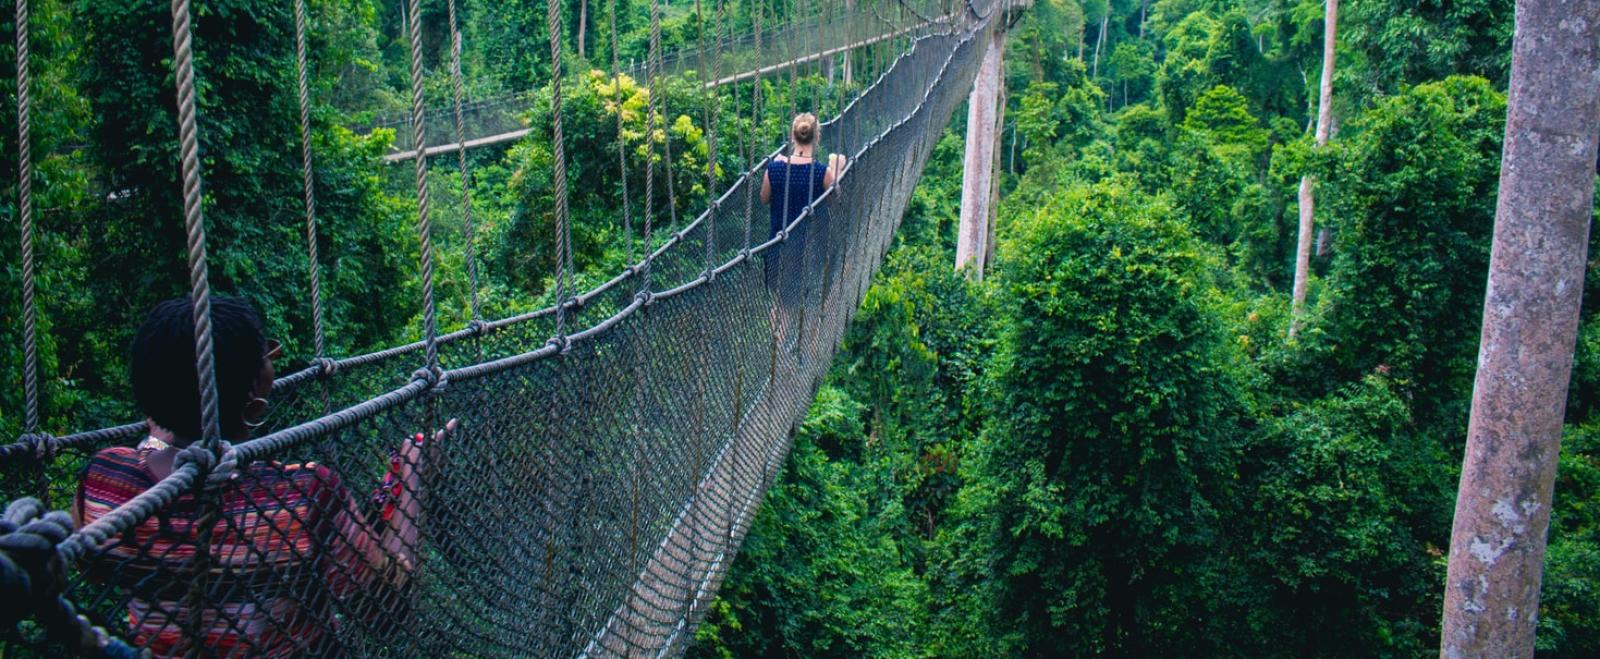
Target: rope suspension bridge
x: 606, y: 453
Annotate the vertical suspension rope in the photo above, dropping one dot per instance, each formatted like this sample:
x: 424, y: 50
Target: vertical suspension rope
x: 709, y: 110
x: 755, y: 122
x: 430, y: 322
x: 194, y: 221
x: 470, y: 226
x: 309, y: 186
x: 30, y: 311
x: 652, y: 68
x: 622, y: 144
x: 559, y: 170
x: 200, y: 285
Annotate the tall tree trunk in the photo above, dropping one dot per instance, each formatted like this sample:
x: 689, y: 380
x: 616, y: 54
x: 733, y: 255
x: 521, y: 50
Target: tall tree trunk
x: 583, y: 28
x: 1302, y: 253
x: 995, y: 179
x: 1530, y: 323
x: 977, y: 161
x: 1143, y: 5
x: 1100, y: 40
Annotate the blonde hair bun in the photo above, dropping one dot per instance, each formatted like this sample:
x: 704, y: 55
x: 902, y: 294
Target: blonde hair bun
x: 803, y: 130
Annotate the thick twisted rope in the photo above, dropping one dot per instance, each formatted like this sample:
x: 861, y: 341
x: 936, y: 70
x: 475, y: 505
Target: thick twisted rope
x: 430, y: 321
x: 194, y: 221
x: 30, y: 311
x: 622, y: 145
x: 199, y: 279
x: 307, y: 178
x: 470, y: 226
x: 33, y: 573
x: 558, y: 175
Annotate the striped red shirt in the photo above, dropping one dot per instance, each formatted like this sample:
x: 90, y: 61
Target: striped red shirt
x: 283, y: 549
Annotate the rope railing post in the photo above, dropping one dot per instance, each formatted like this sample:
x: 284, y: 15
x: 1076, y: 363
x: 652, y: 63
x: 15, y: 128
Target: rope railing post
x: 469, y: 225
x: 430, y: 322
x: 559, y: 169
x: 30, y: 310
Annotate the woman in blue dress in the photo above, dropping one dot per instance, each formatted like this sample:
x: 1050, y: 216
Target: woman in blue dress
x: 791, y: 183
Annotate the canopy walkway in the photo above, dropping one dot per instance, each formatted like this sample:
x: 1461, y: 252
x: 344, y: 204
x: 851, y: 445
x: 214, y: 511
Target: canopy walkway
x: 611, y: 447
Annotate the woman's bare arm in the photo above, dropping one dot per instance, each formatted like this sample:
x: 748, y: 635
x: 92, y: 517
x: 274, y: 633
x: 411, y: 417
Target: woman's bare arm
x: 766, y: 189
x: 836, y: 163
x: 392, y: 553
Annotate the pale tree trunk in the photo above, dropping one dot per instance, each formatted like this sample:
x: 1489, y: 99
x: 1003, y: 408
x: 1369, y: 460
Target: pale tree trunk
x: 1145, y: 4
x: 994, y: 180
x: 1530, y: 323
x: 583, y: 28
x: 978, y: 161
x: 1302, y: 252
x: 1100, y: 40
x: 850, y: 8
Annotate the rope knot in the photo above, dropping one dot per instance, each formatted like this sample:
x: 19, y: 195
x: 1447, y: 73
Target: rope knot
x: 43, y: 445
x: 561, y: 343
x: 217, y: 467
x: 429, y: 376
x: 326, y: 368
x: 478, y: 327
x: 644, y: 297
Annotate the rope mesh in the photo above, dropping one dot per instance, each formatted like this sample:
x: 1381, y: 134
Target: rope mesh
x: 596, y: 489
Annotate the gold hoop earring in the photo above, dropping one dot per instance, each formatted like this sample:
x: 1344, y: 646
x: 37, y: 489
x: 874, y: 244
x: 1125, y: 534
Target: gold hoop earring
x: 259, y: 421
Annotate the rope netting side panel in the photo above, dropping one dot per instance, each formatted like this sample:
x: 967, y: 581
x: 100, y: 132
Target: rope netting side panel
x: 586, y: 496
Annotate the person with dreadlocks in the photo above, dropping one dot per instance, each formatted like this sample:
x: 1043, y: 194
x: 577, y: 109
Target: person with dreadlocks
x: 290, y: 541
x: 792, y: 183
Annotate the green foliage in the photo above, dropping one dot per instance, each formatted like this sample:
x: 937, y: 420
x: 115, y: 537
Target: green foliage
x: 1094, y: 491
x: 1347, y: 515
x: 1404, y: 42
x: 822, y: 559
x: 1411, y: 192
x: 1569, y: 611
